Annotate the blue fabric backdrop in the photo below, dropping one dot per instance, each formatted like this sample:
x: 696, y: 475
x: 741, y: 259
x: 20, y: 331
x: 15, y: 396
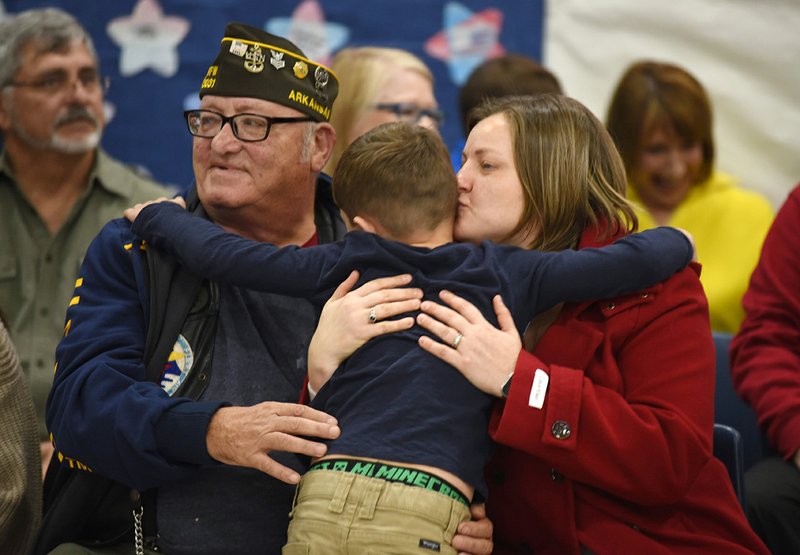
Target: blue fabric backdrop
x: 156, y: 52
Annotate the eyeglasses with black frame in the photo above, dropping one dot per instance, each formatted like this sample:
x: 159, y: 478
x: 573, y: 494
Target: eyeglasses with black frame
x: 411, y: 113
x: 250, y: 128
x: 58, y: 81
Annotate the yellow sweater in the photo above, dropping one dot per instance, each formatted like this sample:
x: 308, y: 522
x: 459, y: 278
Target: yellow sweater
x: 729, y: 225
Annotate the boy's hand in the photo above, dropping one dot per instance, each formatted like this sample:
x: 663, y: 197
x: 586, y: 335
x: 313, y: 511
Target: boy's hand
x: 132, y: 212
x: 691, y: 240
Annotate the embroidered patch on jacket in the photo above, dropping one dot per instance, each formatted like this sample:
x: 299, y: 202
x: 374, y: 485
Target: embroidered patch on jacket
x: 177, y: 367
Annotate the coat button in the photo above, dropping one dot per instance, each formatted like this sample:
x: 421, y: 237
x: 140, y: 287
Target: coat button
x: 560, y: 430
x: 611, y: 306
x: 556, y: 475
x: 644, y: 295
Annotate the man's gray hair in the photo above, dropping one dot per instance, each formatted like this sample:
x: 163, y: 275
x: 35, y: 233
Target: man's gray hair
x: 50, y: 29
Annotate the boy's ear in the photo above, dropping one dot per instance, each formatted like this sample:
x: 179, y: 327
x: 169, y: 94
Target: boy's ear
x: 365, y: 223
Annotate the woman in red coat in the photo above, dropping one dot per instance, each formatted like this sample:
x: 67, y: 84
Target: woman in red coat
x: 604, y: 420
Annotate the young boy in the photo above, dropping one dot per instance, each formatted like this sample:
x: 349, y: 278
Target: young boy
x: 414, y: 436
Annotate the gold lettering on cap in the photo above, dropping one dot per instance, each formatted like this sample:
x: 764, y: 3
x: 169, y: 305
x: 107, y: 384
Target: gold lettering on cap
x: 254, y: 59
x: 308, y: 101
x: 210, y: 80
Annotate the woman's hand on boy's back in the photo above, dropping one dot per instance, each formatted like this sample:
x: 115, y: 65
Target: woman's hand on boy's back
x: 350, y: 318
x: 485, y: 354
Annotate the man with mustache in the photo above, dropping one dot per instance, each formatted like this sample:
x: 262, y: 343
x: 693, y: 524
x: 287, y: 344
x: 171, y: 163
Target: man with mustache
x: 57, y: 187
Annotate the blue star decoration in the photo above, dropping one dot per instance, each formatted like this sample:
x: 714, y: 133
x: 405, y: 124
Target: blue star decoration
x: 148, y: 39
x: 467, y: 39
x: 308, y: 29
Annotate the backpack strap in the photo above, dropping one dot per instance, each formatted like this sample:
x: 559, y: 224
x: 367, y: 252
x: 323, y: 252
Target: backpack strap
x: 173, y: 292
x: 181, y: 304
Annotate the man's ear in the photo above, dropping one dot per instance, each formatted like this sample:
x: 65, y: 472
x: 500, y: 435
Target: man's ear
x: 322, y: 146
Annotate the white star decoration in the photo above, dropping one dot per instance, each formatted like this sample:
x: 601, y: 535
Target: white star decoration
x: 148, y: 39
x: 308, y: 29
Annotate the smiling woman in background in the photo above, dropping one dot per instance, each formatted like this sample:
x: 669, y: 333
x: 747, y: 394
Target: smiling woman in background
x: 660, y: 118
x: 379, y: 85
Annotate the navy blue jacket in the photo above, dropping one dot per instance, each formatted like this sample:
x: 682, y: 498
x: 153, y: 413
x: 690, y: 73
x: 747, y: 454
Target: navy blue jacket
x: 102, y: 413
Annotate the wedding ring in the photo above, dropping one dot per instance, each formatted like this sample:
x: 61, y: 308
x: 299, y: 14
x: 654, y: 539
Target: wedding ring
x: 457, y: 340
x: 373, y: 317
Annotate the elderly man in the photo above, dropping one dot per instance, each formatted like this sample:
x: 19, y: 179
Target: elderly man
x: 57, y: 187
x: 213, y: 443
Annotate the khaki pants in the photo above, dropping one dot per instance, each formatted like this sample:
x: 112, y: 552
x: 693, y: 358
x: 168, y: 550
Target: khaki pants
x: 338, y: 513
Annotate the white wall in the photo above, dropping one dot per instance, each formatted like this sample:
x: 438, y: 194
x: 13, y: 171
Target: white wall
x: 745, y: 52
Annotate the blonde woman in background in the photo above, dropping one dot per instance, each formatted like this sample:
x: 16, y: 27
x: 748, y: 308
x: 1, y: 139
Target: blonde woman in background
x: 661, y: 120
x: 379, y: 85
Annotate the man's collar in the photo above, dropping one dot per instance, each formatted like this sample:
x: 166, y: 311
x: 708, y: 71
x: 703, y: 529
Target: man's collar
x: 106, y: 174
x: 101, y: 172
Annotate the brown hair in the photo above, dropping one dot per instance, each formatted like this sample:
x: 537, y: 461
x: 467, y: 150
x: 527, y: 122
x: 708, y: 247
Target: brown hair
x: 363, y: 73
x: 571, y: 173
x: 653, y: 95
x: 399, y: 174
x: 509, y: 75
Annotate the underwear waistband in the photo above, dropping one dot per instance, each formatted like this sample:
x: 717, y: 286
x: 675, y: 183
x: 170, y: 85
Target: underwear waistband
x: 392, y: 473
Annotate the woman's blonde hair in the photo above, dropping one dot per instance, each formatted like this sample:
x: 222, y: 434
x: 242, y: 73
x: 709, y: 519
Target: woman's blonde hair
x: 571, y: 173
x: 363, y: 72
x: 651, y: 96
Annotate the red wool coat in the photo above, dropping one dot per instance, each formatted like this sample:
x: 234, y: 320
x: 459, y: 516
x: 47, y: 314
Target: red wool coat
x: 619, y: 457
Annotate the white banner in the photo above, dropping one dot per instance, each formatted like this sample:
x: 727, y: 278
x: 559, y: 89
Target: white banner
x: 746, y: 53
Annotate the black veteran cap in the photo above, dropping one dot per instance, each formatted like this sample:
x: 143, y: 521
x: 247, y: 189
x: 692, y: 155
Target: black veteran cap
x: 253, y: 63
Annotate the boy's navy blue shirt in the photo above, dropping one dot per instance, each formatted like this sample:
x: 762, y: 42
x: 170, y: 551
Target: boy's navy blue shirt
x: 393, y: 400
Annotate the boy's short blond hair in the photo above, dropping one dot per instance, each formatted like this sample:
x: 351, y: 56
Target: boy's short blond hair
x: 401, y: 176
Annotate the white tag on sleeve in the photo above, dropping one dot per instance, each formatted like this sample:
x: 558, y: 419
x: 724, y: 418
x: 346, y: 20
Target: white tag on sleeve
x: 538, y: 389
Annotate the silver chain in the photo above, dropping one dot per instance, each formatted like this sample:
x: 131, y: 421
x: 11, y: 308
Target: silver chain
x: 138, y: 536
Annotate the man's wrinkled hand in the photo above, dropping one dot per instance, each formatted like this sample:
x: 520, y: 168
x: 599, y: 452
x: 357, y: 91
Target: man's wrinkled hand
x: 244, y: 436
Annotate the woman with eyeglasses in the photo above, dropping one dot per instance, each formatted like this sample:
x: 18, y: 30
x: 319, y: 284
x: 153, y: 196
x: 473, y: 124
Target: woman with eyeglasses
x: 379, y: 85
